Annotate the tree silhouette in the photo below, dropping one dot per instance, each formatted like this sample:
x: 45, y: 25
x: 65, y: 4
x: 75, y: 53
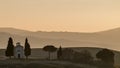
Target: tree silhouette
x: 49, y: 49
x: 27, y: 50
x: 106, y: 56
x: 59, y: 53
x: 10, y: 48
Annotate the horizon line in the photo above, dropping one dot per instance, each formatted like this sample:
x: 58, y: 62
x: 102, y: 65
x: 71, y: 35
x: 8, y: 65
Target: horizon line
x: 59, y: 31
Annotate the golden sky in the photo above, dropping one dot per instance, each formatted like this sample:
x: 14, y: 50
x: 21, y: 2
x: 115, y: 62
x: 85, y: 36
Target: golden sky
x: 60, y: 15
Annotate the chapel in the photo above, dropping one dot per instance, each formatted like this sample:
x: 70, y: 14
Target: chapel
x: 18, y: 51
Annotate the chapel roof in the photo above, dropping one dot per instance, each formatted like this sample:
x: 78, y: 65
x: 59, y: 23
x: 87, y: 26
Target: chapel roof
x: 18, y: 44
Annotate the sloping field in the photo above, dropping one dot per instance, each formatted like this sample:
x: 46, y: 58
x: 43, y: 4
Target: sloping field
x: 42, y: 55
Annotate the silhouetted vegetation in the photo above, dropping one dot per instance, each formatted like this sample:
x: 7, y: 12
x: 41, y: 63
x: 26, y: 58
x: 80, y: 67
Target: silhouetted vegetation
x: 10, y: 48
x: 106, y: 55
x: 27, y: 50
x: 49, y: 49
x: 79, y: 57
x: 59, y: 53
x: 83, y: 57
x: 67, y: 54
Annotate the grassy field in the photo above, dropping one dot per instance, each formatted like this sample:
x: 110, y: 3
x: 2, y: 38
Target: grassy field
x: 40, y: 64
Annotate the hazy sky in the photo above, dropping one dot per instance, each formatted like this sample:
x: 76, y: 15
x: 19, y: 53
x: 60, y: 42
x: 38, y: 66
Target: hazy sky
x: 60, y: 15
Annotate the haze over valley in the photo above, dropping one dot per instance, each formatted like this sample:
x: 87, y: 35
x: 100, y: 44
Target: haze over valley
x: 105, y: 39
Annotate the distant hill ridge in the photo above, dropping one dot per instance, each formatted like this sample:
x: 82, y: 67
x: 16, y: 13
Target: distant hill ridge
x: 106, y: 39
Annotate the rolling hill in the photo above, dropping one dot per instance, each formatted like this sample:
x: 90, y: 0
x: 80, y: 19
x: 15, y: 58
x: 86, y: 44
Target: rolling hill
x: 39, y: 54
x: 105, y: 39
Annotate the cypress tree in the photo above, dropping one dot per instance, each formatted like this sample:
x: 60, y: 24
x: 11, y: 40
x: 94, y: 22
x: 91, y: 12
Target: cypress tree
x: 27, y: 50
x: 10, y: 48
x: 59, y: 53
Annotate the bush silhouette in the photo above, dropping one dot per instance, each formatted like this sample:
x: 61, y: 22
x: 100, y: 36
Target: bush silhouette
x: 83, y: 57
x: 106, y: 56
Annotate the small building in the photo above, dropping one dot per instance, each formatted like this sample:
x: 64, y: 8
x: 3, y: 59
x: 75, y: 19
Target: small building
x: 18, y: 51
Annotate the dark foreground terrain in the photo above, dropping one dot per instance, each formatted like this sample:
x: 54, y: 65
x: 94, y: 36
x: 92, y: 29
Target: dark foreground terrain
x: 41, y: 64
x: 45, y: 64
